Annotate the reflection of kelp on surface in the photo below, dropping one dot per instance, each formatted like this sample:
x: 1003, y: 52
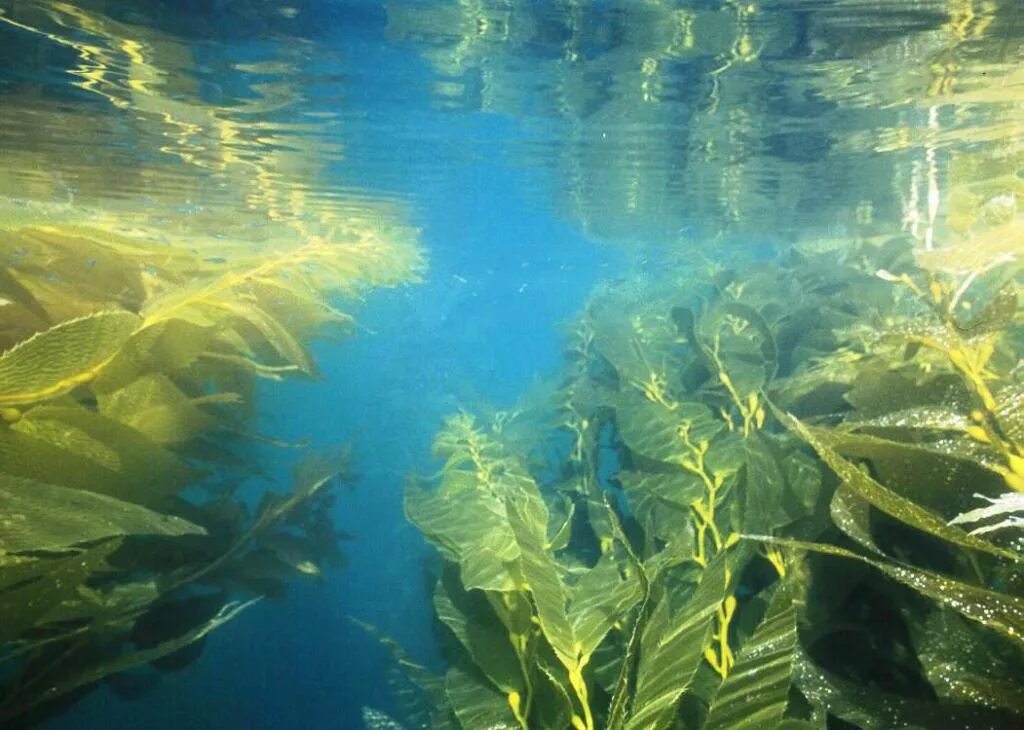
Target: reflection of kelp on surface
x: 135, y: 323
x: 760, y: 491
x: 229, y: 169
x: 719, y: 116
x: 631, y: 81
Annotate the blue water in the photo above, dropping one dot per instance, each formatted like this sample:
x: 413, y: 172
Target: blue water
x: 481, y: 328
x: 532, y: 178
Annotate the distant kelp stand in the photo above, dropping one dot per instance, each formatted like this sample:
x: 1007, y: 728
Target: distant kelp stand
x: 129, y: 448
x: 783, y: 494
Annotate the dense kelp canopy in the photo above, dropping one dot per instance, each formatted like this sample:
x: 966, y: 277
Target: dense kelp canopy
x: 781, y: 490
x: 139, y: 507
x: 789, y: 497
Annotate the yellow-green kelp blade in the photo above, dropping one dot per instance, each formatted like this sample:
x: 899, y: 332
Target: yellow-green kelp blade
x: 36, y: 516
x: 55, y: 361
x: 756, y: 692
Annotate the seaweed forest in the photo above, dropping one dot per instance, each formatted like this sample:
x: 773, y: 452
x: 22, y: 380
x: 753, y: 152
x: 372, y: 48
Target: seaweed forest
x: 141, y: 504
x: 789, y: 498
x: 775, y: 478
x: 766, y: 491
x: 116, y: 409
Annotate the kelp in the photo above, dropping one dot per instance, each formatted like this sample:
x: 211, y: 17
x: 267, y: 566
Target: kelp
x: 126, y: 394
x: 774, y: 477
x: 54, y: 362
x: 546, y: 619
x: 142, y: 307
x: 48, y: 518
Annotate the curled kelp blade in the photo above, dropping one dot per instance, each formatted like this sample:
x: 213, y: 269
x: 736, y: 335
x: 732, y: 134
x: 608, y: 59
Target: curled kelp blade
x: 897, y: 506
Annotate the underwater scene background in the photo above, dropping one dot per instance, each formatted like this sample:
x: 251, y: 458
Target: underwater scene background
x: 505, y: 364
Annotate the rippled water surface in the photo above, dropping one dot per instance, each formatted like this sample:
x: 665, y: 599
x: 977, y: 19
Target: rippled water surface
x: 636, y: 121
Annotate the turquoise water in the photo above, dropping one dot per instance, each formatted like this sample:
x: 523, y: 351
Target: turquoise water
x: 536, y: 152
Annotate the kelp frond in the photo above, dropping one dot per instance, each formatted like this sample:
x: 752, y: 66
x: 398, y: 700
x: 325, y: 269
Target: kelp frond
x: 124, y: 384
x: 727, y: 444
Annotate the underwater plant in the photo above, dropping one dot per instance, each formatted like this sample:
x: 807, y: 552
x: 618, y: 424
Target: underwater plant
x: 128, y: 459
x: 750, y: 512
x: 147, y: 288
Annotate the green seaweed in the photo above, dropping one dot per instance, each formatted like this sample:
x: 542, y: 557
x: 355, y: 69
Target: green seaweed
x: 723, y: 450
x: 121, y: 415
